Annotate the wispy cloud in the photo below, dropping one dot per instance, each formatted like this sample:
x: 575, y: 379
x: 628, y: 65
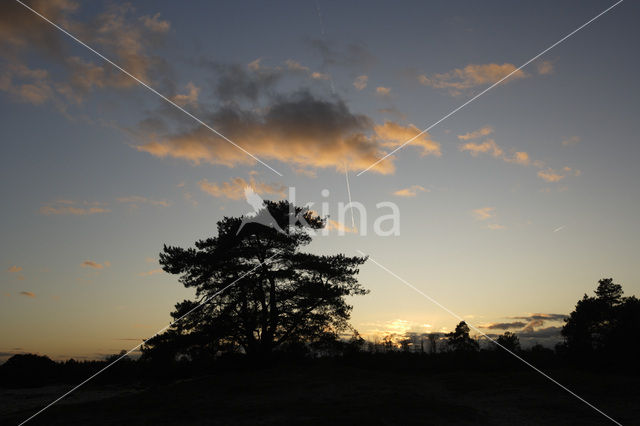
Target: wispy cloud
x: 234, y: 189
x: 412, y: 191
x: 360, y: 83
x: 460, y: 80
x: 95, y: 265
x: 545, y: 67
x: 68, y: 207
x: 383, y: 90
x: 496, y: 227
x: 28, y: 294
x: 15, y: 268
x: 135, y: 200
x: 151, y: 272
x: 573, y: 140
x: 155, y: 24
x: 189, y: 98
x: 484, y: 131
x: 484, y: 213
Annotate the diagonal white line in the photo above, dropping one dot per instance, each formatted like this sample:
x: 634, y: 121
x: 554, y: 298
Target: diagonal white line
x: 151, y: 89
x: 155, y: 334
x: 484, y: 335
x: 493, y: 85
x: 346, y: 174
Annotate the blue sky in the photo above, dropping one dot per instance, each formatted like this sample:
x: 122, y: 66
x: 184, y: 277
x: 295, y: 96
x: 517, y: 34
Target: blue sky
x: 97, y: 169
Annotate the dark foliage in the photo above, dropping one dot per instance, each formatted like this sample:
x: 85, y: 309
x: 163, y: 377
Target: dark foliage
x: 260, y: 292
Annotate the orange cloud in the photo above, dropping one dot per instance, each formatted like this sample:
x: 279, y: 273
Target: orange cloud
x: 67, y: 207
x: 495, y: 226
x: 15, y: 268
x: 95, y: 265
x: 360, y: 82
x: 28, y: 294
x: 300, y: 130
x: 391, y: 135
x: 383, y: 90
x: 549, y: 175
x: 412, y: 191
x: 190, y: 98
x: 488, y: 146
x: 114, y: 30
x: 485, y: 131
x: 459, y: 80
x: 234, y: 189
x: 155, y: 24
x: 573, y: 140
x: 151, y: 272
x: 545, y: 67
x: 134, y: 200
x: 484, y: 213
x: 319, y: 76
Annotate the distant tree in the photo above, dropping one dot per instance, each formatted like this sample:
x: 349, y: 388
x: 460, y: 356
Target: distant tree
x: 388, y: 343
x: 280, y: 296
x: 433, y: 342
x: 460, y: 340
x: 609, y: 293
x: 607, y: 324
x: 509, y: 341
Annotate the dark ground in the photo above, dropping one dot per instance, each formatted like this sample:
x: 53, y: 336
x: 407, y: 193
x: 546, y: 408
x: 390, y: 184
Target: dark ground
x: 317, y: 393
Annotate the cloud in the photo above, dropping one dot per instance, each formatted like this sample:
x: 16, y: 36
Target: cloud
x: 391, y: 135
x: 296, y: 66
x: 155, y: 24
x: 340, y: 227
x: 412, y: 191
x: 149, y: 273
x: 134, y: 200
x: 95, y: 265
x: 319, y: 76
x: 504, y: 325
x: 549, y: 175
x: 28, y: 294
x: 114, y: 31
x: 234, y: 189
x: 190, y: 98
x: 496, y: 227
x: 573, y: 140
x: 488, y: 146
x: 521, y: 158
x: 460, y: 80
x: 68, y: 207
x: 383, y: 90
x: 484, y: 131
x: 15, y: 268
x: 300, y: 129
x: 484, y: 213
x: 545, y: 67
x: 360, y: 82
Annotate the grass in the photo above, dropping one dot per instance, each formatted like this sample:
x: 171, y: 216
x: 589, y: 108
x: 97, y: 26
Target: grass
x: 316, y: 393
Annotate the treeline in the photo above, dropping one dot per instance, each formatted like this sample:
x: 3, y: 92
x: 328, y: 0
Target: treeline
x: 602, y: 334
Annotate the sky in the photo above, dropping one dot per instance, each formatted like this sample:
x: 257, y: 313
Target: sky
x: 509, y: 210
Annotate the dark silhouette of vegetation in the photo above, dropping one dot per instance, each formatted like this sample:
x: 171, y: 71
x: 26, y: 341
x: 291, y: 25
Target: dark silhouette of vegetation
x: 508, y: 340
x: 604, y: 328
x: 282, y: 299
x: 460, y: 340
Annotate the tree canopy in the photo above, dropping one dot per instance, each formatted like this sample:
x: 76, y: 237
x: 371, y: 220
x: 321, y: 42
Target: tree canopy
x: 460, y: 340
x: 280, y: 296
x: 606, y: 326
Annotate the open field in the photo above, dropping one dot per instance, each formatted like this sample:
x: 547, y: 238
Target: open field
x: 330, y: 394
